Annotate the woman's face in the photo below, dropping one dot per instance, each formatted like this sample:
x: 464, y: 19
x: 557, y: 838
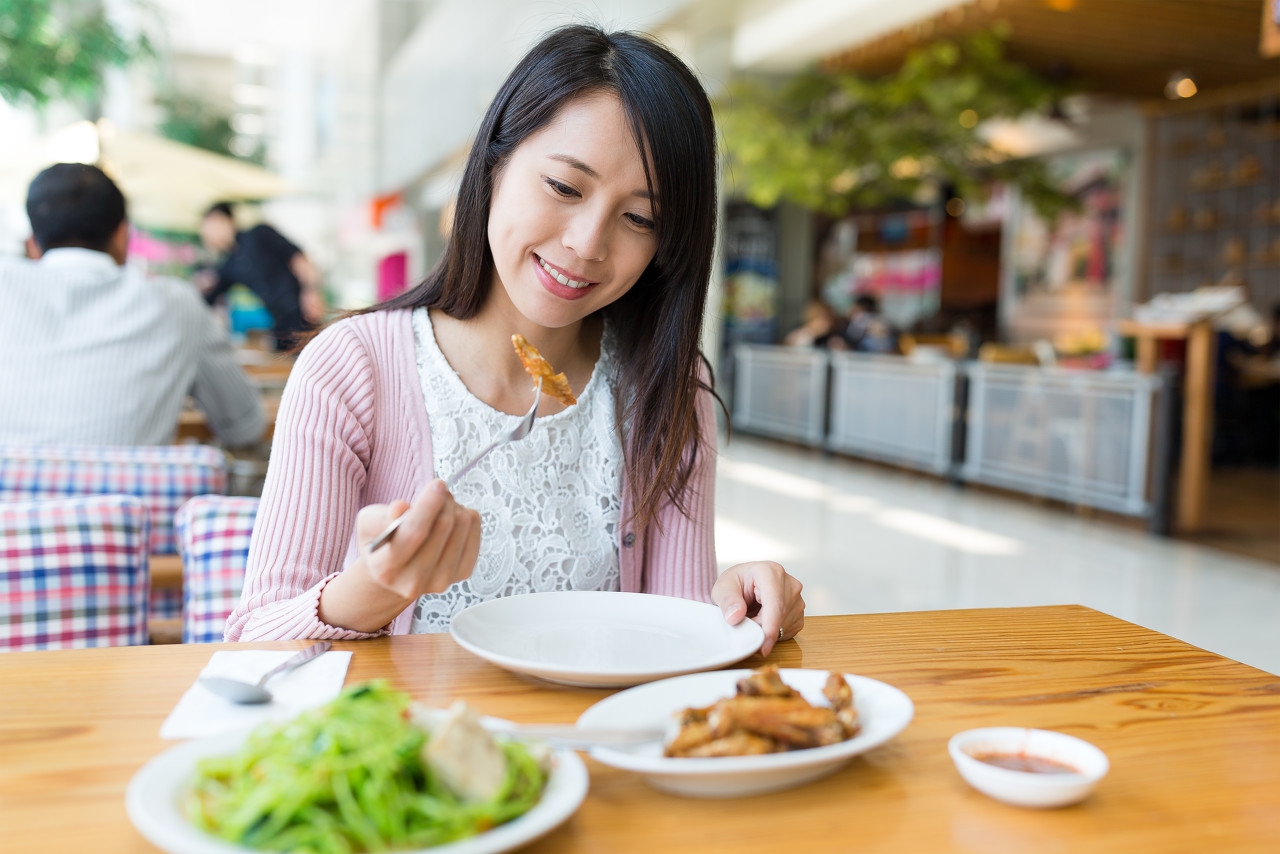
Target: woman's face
x: 571, y: 222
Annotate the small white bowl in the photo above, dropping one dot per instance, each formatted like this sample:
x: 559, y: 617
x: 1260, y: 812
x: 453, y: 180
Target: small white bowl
x: 1026, y: 788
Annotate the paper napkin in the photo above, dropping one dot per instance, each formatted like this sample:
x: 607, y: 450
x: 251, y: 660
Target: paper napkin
x: 202, y: 713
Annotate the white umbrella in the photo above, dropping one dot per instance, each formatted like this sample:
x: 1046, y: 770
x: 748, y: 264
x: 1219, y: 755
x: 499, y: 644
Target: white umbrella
x: 168, y: 185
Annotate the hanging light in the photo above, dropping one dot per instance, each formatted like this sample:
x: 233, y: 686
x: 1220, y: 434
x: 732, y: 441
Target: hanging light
x: 1180, y: 86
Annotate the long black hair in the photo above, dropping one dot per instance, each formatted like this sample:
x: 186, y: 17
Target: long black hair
x: 657, y: 324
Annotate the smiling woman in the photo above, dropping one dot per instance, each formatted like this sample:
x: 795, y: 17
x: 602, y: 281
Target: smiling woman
x: 585, y: 223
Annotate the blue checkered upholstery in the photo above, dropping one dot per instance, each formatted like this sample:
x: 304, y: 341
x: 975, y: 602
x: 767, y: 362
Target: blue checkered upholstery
x: 73, y: 573
x: 213, y: 533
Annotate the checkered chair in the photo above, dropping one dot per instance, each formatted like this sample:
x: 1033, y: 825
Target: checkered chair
x: 213, y: 532
x: 163, y: 476
x: 73, y: 572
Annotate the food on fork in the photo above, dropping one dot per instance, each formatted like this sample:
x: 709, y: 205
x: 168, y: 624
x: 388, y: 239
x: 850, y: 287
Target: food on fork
x: 553, y: 384
x: 766, y: 716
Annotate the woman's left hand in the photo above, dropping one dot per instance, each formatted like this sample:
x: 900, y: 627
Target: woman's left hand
x: 763, y: 591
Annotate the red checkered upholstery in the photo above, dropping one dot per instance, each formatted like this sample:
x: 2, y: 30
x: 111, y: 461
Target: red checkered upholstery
x: 163, y: 476
x: 73, y: 573
x: 213, y: 533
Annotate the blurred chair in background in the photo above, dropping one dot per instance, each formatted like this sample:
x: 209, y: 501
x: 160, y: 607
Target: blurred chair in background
x: 213, y: 533
x: 73, y: 573
x: 163, y: 477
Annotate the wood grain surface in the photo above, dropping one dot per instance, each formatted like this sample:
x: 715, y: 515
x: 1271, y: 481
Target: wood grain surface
x: 1193, y: 739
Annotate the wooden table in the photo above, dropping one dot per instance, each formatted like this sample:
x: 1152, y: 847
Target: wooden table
x: 1193, y: 738
x: 1197, y: 407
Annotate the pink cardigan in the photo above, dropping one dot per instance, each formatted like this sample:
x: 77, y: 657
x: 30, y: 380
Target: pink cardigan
x: 352, y: 430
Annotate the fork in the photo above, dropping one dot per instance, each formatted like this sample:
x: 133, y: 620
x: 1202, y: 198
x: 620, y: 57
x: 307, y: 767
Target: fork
x: 521, y: 430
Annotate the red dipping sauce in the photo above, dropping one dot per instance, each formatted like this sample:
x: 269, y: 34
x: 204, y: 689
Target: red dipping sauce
x: 1024, y: 762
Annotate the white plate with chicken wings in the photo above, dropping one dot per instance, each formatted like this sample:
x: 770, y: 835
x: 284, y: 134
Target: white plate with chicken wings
x: 883, y: 711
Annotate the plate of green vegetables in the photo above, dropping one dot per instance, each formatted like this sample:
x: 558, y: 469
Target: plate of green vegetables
x: 351, y: 776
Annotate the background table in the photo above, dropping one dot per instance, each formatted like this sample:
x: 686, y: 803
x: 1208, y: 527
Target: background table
x: 1193, y: 738
x: 1197, y: 406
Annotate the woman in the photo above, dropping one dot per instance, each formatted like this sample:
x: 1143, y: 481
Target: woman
x: 585, y: 221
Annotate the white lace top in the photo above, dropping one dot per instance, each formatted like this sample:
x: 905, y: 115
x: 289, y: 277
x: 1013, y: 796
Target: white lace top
x: 549, y: 505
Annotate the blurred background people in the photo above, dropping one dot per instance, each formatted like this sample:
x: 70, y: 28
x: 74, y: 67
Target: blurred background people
x: 821, y: 328
x: 267, y: 263
x: 91, y: 351
x: 867, y: 330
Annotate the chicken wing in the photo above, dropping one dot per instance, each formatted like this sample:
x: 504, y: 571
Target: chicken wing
x: 553, y: 384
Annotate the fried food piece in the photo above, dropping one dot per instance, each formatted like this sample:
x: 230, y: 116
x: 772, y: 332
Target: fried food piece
x: 765, y: 682
x: 553, y: 384
x: 848, y: 719
x: 692, y: 735
x: 840, y: 696
x: 738, y: 743
x: 766, y: 716
x: 837, y: 691
x: 693, y: 716
x: 789, y: 720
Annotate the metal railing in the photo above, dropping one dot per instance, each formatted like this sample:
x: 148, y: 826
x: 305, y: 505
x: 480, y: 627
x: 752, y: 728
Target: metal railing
x: 888, y: 408
x: 781, y: 392
x: 1084, y: 437
x: 1078, y: 436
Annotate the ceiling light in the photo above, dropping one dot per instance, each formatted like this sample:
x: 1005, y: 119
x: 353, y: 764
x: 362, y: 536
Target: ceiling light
x: 1180, y: 85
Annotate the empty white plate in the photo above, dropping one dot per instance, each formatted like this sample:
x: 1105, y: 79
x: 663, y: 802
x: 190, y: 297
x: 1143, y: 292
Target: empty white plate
x: 883, y: 710
x: 598, y: 639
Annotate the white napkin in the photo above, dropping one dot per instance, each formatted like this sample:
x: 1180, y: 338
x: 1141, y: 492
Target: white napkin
x: 200, y: 712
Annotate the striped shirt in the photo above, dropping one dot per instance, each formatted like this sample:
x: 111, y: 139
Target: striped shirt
x: 95, y: 353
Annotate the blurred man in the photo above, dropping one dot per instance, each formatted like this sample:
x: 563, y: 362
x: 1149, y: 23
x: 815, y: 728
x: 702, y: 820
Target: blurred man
x: 265, y: 262
x: 91, y: 351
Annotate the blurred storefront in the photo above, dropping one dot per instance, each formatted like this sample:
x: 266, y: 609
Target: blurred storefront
x: 1172, y: 151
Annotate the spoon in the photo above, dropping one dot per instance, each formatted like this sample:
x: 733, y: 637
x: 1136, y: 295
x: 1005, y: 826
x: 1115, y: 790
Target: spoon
x: 250, y: 693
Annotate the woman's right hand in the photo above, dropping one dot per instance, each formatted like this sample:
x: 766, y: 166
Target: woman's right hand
x: 435, y: 546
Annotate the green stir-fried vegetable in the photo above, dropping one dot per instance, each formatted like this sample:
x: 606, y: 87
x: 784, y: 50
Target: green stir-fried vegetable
x: 348, y: 777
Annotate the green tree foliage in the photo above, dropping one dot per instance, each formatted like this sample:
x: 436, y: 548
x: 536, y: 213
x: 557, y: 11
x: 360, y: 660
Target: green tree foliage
x: 832, y: 141
x: 192, y: 120
x: 58, y: 49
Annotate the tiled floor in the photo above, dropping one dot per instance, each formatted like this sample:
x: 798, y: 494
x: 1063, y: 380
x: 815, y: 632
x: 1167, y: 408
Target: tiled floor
x: 866, y: 538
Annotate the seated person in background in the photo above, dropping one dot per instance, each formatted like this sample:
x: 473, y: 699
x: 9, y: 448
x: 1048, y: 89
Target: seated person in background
x: 91, y: 351
x: 867, y: 330
x: 263, y: 260
x: 821, y: 328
